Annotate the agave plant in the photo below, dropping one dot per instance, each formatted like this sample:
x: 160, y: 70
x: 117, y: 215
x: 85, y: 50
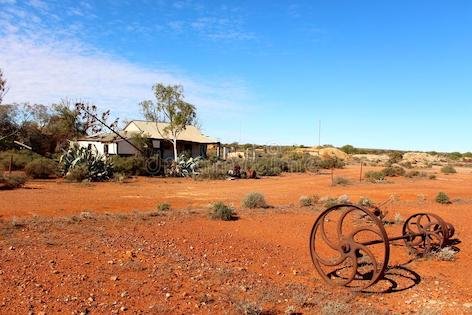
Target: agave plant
x: 184, y: 166
x: 96, y: 166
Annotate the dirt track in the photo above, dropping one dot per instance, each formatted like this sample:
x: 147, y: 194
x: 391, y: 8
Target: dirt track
x: 120, y: 258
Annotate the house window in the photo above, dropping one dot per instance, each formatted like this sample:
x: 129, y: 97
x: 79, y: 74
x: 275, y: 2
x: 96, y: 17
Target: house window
x: 203, y: 150
x: 105, y: 149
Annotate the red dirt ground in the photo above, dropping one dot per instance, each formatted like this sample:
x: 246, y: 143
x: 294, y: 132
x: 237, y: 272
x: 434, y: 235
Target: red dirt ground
x: 97, y: 248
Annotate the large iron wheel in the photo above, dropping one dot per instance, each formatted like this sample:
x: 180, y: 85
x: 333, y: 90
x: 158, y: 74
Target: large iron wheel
x: 349, y: 246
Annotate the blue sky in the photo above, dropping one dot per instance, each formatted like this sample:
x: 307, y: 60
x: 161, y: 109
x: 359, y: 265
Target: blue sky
x: 381, y: 74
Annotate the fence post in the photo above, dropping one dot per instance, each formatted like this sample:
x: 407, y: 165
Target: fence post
x: 360, y: 175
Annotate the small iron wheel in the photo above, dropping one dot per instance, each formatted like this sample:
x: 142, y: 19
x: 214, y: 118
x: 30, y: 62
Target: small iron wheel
x: 425, y: 232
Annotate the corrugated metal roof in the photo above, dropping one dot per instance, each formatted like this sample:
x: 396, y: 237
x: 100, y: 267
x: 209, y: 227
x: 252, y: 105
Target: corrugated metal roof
x: 107, y: 137
x: 151, y: 130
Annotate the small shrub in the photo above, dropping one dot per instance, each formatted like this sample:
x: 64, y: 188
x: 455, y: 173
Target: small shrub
x: 343, y: 199
x: 393, y: 171
x: 84, y: 162
x: 306, y: 201
x: 339, y: 180
x: 315, y: 199
x: 448, y: 169
x: 329, y: 202
x: 41, y: 168
x: 221, y: 211
x: 395, y: 157
x: 164, y: 206
x: 212, y: 172
x: 20, y: 159
x: 11, y: 182
x: 335, y: 308
x: 365, y: 202
x: 412, y: 174
x: 254, y: 200
x: 134, y: 165
x: 397, y: 219
x: 77, y: 174
x: 331, y: 162
x: 442, y: 198
x: 432, y: 176
x: 374, y: 177
x: 444, y: 254
x: 268, y: 166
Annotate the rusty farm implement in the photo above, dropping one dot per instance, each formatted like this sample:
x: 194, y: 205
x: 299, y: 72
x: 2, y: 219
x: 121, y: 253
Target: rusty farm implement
x: 349, y: 245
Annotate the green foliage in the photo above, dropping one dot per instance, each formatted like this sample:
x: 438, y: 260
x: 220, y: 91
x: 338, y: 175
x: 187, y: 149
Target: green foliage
x: 331, y: 162
x: 215, y: 171
x: 164, y: 206
x: 448, y: 169
x: 79, y: 163
x: 254, y: 200
x: 77, y: 173
x: 20, y: 159
x: 11, y: 181
x: 415, y: 173
x: 132, y: 165
x: 393, y: 171
x: 219, y: 210
x: 349, y: 149
x: 306, y: 201
x: 442, y: 198
x: 374, y: 177
x: 339, y: 180
x: 41, y: 168
x: 365, y: 202
x: 171, y: 108
x: 395, y: 157
x: 454, y: 155
x: 183, y: 166
x: 329, y: 202
x: 268, y: 166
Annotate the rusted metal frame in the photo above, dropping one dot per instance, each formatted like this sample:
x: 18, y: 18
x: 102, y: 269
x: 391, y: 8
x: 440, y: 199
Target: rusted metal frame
x: 396, y: 238
x: 420, y: 232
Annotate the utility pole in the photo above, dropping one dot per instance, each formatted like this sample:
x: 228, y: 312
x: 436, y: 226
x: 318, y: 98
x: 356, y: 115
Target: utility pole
x: 319, y: 133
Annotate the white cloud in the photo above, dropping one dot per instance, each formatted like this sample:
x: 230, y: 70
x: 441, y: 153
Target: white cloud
x: 44, y: 63
x: 46, y: 72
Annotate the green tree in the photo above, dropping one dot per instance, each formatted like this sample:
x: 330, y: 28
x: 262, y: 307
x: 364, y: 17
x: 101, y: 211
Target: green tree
x: 349, y: 149
x: 170, y: 108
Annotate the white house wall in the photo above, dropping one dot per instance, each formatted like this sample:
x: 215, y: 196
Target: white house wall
x: 131, y: 128
x: 99, y: 146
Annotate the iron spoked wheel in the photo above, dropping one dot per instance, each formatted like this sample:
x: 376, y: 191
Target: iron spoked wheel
x: 425, y: 232
x: 349, y: 247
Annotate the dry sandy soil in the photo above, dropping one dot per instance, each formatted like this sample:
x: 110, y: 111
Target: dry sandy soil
x: 102, y: 248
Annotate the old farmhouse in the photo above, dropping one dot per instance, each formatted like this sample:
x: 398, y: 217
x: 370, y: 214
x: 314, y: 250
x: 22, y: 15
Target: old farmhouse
x: 190, y: 140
